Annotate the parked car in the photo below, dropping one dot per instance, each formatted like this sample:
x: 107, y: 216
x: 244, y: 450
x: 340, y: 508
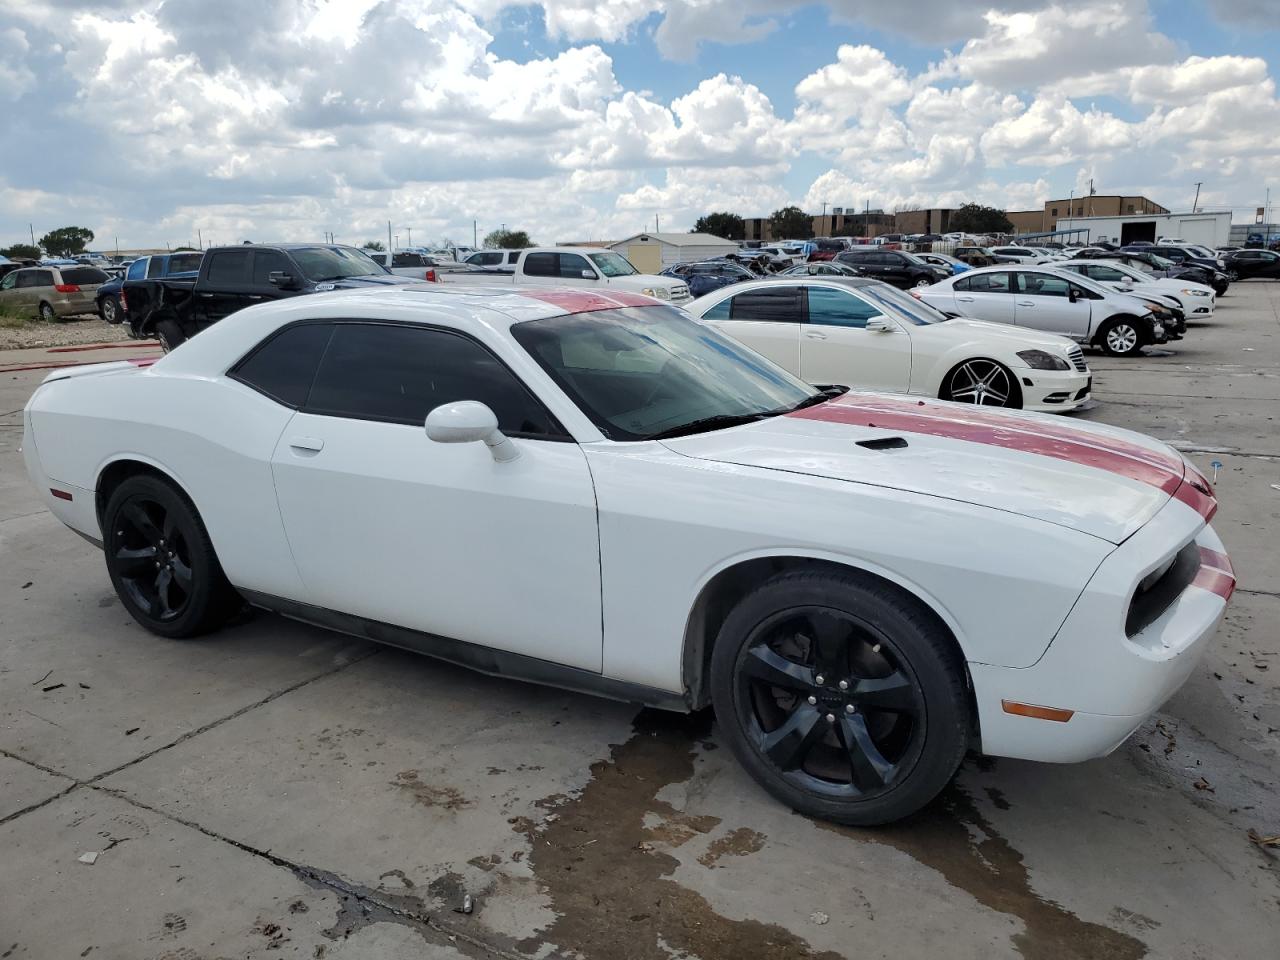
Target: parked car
x: 1247, y: 264
x: 897, y: 267
x: 953, y: 264
x: 1048, y: 299
x: 827, y: 248
x: 864, y: 587
x: 825, y: 268
x: 494, y: 260
x: 161, y: 265
x: 1160, y: 267
x: 604, y: 270
x: 1021, y: 254
x: 706, y: 275
x: 1186, y: 254
x: 871, y: 336
x: 419, y: 266
x: 50, y: 292
x: 1195, y: 300
x: 175, y: 309
x: 976, y: 256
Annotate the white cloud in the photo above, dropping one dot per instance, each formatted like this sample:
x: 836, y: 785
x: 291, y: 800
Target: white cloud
x: 15, y: 78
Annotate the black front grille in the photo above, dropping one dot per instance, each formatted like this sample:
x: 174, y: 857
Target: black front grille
x: 1154, y: 600
x: 1076, y: 356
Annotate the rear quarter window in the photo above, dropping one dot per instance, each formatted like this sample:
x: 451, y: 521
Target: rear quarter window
x: 84, y: 275
x: 283, y: 366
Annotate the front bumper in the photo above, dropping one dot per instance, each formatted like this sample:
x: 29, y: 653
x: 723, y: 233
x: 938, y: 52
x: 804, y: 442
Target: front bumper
x: 1111, y: 681
x: 1053, y: 391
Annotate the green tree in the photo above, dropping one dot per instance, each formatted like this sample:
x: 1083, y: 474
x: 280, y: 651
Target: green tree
x: 508, y: 240
x: 66, y: 241
x: 375, y: 245
x: 727, y: 225
x: 791, y: 223
x: 975, y: 218
x: 185, y: 250
x: 21, y: 251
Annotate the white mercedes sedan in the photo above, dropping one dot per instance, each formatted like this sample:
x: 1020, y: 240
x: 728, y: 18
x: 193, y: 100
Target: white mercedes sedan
x: 872, y: 336
x: 598, y: 492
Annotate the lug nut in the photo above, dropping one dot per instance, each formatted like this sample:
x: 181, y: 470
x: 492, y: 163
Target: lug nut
x: 876, y: 648
x: 831, y: 718
x: 844, y: 684
x: 813, y: 701
x: 819, y: 679
x: 850, y: 708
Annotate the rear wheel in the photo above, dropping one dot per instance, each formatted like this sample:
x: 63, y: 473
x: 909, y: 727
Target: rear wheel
x: 169, y: 334
x: 1119, y: 337
x: 841, y: 697
x: 161, y: 560
x: 110, y: 310
x: 984, y: 382
x: 47, y: 313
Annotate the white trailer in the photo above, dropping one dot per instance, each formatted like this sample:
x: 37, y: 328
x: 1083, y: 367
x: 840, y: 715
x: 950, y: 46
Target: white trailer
x: 1209, y: 229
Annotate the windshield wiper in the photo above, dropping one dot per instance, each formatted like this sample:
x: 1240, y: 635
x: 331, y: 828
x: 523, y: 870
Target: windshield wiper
x: 717, y: 422
x: 822, y: 396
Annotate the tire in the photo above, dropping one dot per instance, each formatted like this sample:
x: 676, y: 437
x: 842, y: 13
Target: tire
x: 871, y: 753
x: 1120, y: 337
x: 1233, y: 276
x: 170, y: 335
x: 924, y: 283
x: 161, y: 561
x: 47, y: 313
x: 983, y: 382
x: 109, y: 310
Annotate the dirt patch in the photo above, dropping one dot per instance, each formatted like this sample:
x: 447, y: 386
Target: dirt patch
x: 952, y: 837
x: 608, y: 883
x: 62, y: 333
x: 736, y: 843
x: 428, y: 794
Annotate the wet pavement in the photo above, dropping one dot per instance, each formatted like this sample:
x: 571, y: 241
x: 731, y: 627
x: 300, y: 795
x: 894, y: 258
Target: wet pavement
x: 275, y: 790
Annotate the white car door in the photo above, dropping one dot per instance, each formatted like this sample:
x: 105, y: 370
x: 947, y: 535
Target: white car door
x: 549, y: 269
x: 837, y: 347
x: 386, y: 524
x: 1044, y: 302
x: 767, y: 319
x: 985, y: 296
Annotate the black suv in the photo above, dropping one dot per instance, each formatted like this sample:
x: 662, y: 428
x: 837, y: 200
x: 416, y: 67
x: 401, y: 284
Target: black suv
x: 892, y: 266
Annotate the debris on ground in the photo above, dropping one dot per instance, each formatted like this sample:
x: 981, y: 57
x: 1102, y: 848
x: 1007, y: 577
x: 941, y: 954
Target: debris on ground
x: 131, y: 731
x: 85, y: 686
x: 90, y: 858
x: 467, y: 904
x: 1262, y: 841
x: 52, y: 686
x: 1203, y: 784
x: 24, y: 586
x: 43, y: 679
x: 818, y: 917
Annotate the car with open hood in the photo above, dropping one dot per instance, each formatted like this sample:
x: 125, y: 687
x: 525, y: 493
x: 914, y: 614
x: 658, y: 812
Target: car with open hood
x: 594, y: 490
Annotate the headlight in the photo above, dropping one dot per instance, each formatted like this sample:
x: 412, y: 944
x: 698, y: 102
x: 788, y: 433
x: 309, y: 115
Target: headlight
x: 1042, y: 360
x: 1159, y: 309
x: 649, y: 292
x: 663, y: 293
x: 1196, y: 293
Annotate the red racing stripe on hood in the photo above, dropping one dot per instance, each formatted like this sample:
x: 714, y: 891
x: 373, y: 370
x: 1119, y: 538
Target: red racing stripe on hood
x: 585, y: 301
x: 1112, y: 454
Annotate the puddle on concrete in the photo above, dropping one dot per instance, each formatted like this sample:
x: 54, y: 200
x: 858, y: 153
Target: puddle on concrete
x: 611, y: 887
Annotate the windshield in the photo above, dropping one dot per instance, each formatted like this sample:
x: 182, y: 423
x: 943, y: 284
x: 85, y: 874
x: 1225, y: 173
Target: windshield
x: 912, y: 258
x: 1159, y: 261
x: 334, y: 263
x: 639, y: 372
x: 1200, y: 251
x: 613, y: 264
x: 903, y: 305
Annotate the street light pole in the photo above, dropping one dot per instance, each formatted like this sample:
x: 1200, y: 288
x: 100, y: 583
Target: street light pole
x: 1196, y: 202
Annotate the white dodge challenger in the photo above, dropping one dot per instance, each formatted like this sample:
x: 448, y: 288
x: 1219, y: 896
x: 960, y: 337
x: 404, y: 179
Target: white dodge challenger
x: 609, y: 496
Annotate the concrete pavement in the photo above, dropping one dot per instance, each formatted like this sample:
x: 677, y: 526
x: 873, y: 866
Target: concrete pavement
x: 275, y: 790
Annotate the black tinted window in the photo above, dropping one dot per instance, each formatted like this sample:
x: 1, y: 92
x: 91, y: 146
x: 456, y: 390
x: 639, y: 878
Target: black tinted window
x: 774, y: 304
x: 185, y: 262
x: 542, y: 265
x: 407, y: 260
x: 984, y: 283
x: 229, y: 267
x: 512, y: 257
x: 84, y: 275
x: 572, y: 266
x: 35, y: 278
x: 284, y: 366
x: 267, y: 262
x: 400, y: 374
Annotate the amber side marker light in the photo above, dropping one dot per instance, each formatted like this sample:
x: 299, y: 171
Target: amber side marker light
x: 1036, y: 713
x: 60, y: 494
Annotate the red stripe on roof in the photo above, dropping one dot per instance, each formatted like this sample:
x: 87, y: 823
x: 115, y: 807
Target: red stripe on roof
x: 585, y: 301
x: 1049, y: 440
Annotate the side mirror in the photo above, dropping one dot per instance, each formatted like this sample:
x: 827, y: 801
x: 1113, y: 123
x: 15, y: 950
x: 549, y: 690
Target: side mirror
x: 880, y: 325
x: 468, y: 421
x: 1072, y: 295
x: 285, y: 281
x: 588, y: 275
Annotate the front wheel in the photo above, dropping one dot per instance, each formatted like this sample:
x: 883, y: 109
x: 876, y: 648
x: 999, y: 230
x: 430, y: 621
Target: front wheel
x: 840, y: 696
x: 984, y: 382
x: 1119, y: 337
x: 161, y: 560
x: 924, y: 283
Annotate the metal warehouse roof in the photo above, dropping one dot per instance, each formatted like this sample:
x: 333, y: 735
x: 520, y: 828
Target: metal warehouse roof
x: 681, y: 239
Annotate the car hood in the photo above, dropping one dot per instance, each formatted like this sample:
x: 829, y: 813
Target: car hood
x: 639, y: 282
x: 362, y: 283
x: 1004, y: 334
x: 1099, y: 480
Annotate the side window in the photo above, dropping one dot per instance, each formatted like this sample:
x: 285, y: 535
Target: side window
x: 266, y: 262
x: 35, y: 278
x: 1044, y: 285
x: 771, y: 304
x: 400, y: 374
x: 986, y: 282
x: 155, y: 267
x: 185, y: 262
x: 284, y: 365
x: 1110, y: 274
x: 963, y: 284
x: 835, y: 308
x: 229, y: 267
x: 9, y: 280
x: 572, y: 266
x: 542, y: 265
x: 513, y: 256
x: 137, y: 269
x: 719, y: 312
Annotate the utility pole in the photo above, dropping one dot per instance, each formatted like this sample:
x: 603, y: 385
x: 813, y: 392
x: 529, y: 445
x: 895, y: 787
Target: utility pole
x: 410, y: 229
x: 33, y: 234
x: 475, y: 233
x: 199, y: 239
x: 389, y: 247
x: 117, y: 248
x: 657, y: 228
x: 1196, y: 202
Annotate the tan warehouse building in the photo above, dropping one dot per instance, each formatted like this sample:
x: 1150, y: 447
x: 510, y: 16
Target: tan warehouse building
x: 1043, y: 220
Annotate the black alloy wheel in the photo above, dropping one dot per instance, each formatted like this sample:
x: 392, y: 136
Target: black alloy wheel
x: 161, y: 561
x: 982, y: 382
x: 840, y: 697
x: 169, y: 334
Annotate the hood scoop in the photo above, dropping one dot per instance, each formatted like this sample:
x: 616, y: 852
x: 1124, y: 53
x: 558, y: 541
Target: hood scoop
x: 883, y: 443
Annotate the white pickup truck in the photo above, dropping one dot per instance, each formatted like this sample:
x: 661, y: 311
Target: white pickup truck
x: 577, y: 267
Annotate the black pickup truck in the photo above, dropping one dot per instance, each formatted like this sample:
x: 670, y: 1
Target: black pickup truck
x: 174, y: 309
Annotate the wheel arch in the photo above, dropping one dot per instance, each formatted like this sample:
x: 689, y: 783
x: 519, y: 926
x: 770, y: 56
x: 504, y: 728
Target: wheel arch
x: 1143, y: 327
x: 721, y: 590
x: 119, y: 468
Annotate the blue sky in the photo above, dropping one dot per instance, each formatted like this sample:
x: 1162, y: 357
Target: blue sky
x: 291, y: 118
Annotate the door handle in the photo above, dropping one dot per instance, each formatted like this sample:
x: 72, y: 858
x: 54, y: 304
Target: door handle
x: 815, y: 335
x: 254, y: 296
x: 1026, y: 303
x: 206, y: 296
x: 307, y: 444
x: 966, y: 299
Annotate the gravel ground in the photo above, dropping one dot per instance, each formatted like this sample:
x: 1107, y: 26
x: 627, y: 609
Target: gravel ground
x: 61, y: 333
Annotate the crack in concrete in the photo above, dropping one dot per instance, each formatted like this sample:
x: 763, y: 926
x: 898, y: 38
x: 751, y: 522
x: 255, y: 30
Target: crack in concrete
x: 1259, y: 593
